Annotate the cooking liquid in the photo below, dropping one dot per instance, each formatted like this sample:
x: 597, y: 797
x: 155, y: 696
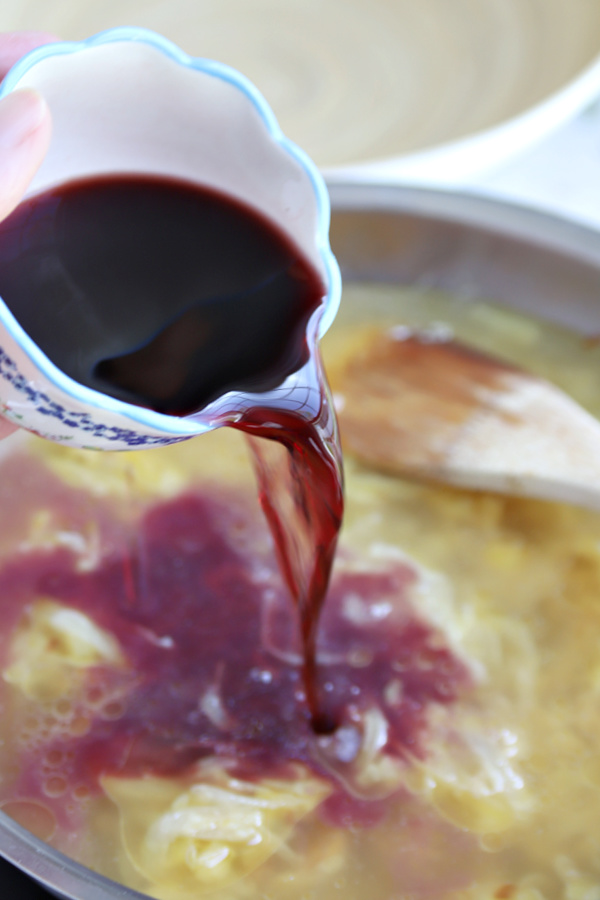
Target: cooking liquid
x: 458, y: 648
x: 174, y: 297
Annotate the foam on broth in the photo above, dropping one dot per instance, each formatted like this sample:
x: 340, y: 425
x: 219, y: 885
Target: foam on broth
x: 460, y: 645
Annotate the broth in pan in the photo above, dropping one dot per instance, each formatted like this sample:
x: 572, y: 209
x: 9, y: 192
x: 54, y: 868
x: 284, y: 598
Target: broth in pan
x: 155, y: 724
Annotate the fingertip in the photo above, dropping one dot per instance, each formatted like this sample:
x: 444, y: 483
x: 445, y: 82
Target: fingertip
x: 6, y: 428
x: 22, y: 112
x: 15, y: 44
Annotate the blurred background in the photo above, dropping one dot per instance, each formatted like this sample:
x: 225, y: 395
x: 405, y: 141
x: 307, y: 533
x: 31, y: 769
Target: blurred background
x: 436, y: 91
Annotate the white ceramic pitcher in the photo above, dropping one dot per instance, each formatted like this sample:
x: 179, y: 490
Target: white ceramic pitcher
x: 129, y: 101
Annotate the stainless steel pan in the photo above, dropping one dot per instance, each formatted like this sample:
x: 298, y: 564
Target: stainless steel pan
x: 463, y: 244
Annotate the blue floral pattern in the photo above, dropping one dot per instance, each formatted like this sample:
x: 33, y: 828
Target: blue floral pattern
x: 82, y: 421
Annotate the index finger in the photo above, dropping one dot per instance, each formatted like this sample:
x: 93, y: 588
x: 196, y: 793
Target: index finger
x: 15, y: 44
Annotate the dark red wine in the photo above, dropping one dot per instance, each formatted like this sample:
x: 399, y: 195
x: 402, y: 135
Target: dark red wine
x: 163, y: 730
x: 174, y: 297
x: 157, y: 292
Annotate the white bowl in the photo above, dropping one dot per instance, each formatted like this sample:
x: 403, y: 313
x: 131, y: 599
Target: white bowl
x: 412, y: 89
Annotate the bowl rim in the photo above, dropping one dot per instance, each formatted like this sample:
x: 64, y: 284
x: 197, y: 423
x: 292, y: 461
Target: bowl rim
x: 505, y: 217
x: 453, y: 162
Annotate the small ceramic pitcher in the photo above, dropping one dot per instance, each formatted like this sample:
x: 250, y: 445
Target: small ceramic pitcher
x: 129, y: 101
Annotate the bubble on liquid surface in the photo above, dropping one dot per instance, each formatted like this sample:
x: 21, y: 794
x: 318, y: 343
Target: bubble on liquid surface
x: 54, y: 758
x: 81, y: 792
x: 32, y: 815
x: 63, y: 708
x: 95, y: 696
x: 55, y: 786
x: 114, y: 709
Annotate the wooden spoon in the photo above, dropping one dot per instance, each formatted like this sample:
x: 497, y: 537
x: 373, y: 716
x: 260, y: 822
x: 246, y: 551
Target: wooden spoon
x: 437, y: 410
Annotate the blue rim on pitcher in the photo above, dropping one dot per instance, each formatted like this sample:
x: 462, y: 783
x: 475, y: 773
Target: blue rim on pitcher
x: 86, y: 397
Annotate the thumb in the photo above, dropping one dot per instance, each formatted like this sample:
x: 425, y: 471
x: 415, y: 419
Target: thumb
x: 24, y: 138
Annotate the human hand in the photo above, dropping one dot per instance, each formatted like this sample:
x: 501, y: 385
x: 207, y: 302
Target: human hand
x: 24, y: 134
